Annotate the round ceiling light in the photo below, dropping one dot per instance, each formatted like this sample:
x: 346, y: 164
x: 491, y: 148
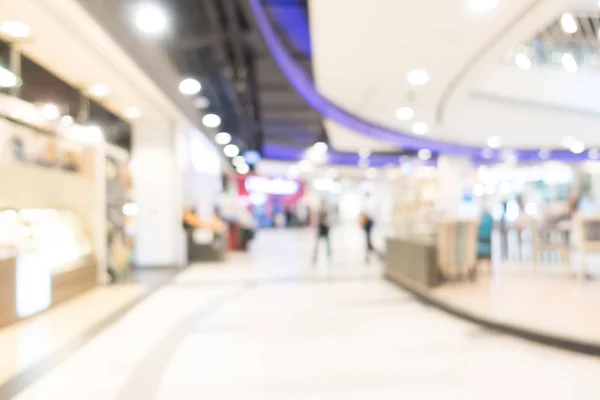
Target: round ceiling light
x: 568, y: 23
x: 8, y: 79
x: 483, y: 6
x: 67, y: 120
x: 424, y: 154
x: 544, y: 154
x: 405, y: 113
x: 190, y: 86
x: 151, y: 19
x: 364, y: 153
x: 577, y: 147
x: 238, y: 160
x: 231, y: 150
x: 223, y: 138
x: 418, y: 77
x: 16, y: 29
x: 243, y: 169
x: 420, y: 128
x: 211, y: 120
x: 50, y: 112
x: 594, y: 154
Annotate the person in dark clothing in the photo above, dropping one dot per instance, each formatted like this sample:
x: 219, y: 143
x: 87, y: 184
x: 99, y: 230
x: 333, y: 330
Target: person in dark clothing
x: 323, y: 224
x: 366, y: 223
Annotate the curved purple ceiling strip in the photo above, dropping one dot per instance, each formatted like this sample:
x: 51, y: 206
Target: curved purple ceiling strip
x: 305, y: 87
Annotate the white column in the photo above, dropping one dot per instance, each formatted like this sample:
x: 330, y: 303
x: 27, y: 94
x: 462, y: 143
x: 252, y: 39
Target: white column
x: 453, y: 174
x: 157, y: 192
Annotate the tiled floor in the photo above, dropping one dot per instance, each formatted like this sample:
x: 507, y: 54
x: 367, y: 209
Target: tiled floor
x: 271, y: 325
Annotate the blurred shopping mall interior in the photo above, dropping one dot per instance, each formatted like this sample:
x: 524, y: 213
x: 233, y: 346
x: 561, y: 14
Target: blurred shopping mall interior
x: 299, y: 199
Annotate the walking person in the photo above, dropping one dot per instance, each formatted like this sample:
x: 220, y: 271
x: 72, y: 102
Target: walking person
x: 323, y: 225
x: 366, y: 223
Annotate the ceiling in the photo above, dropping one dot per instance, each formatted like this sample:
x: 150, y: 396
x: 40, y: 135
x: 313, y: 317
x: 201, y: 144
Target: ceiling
x: 473, y: 93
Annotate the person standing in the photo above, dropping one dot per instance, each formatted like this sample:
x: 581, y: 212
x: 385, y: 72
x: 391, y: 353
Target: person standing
x: 323, y: 225
x: 366, y: 223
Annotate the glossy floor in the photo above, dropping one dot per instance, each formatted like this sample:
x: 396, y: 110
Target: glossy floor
x: 271, y: 325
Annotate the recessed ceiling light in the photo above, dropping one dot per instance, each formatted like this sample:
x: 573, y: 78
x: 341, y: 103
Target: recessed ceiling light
x: 420, y: 128
x: 482, y: 6
x: 16, y: 29
x: 568, y: 23
x: 523, y: 61
x: 363, y: 162
x: 99, y: 90
x: 405, y: 113
x: 577, y: 147
x: 418, y: 77
x: 594, y: 153
x: 494, y: 142
x: 50, y: 112
x: 133, y: 112
x: 231, y: 150
x: 243, y: 169
x: 190, y: 86
x: 424, y: 154
x: 544, y: 154
x: 569, y: 62
x: 238, y: 160
x: 320, y: 147
x: 201, y: 102
x: 150, y: 18
x: 223, y: 138
x: 211, y: 120
x: 67, y: 120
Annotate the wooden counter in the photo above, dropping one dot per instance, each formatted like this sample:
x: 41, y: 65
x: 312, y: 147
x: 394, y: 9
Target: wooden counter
x: 413, y: 260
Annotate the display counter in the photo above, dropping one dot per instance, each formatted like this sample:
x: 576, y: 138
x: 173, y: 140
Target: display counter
x: 45, y: 258
x: 413, y: 261
x: 206, y: 245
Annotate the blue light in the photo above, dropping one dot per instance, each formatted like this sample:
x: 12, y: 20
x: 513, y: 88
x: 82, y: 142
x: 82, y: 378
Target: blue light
x: 252, y: 157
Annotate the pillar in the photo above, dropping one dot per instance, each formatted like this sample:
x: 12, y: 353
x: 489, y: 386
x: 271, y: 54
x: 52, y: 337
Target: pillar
x: 453, y: 174
x: 157, y: 193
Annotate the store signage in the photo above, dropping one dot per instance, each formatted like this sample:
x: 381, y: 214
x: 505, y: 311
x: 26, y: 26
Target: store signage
x: 277, y: 186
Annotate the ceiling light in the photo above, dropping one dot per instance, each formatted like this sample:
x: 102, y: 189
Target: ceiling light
x: 568, y: 23
x: 363, y: 162
x: 252, y: 157
x: 243, y: 169
x: 424, y: 154
x: 523, y: 61
x: 494, y: 142
x: 133, y: 112
x: 577, y: 147
x: 418, y: 77
x: 569, y: 62
x: 67, y: 120
x: 482, y: 6
x: 99, y: 90
x: 211, y: 120
x: 544, y: 154
x: 151, y: 19
x: 594, y: 154
x: 50, y: 112
x: 15, y: 29
x: 190, y: 86
x: 405, y: 113
x: 420, y: 128
x: 223, y: 138
x: 320, y: 147
x: 201, y: 102
x: 231, y: 150
x: 8, y: 79
x: 238, y: 160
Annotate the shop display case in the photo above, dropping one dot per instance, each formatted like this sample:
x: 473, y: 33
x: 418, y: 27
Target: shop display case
x: 45, y: 258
